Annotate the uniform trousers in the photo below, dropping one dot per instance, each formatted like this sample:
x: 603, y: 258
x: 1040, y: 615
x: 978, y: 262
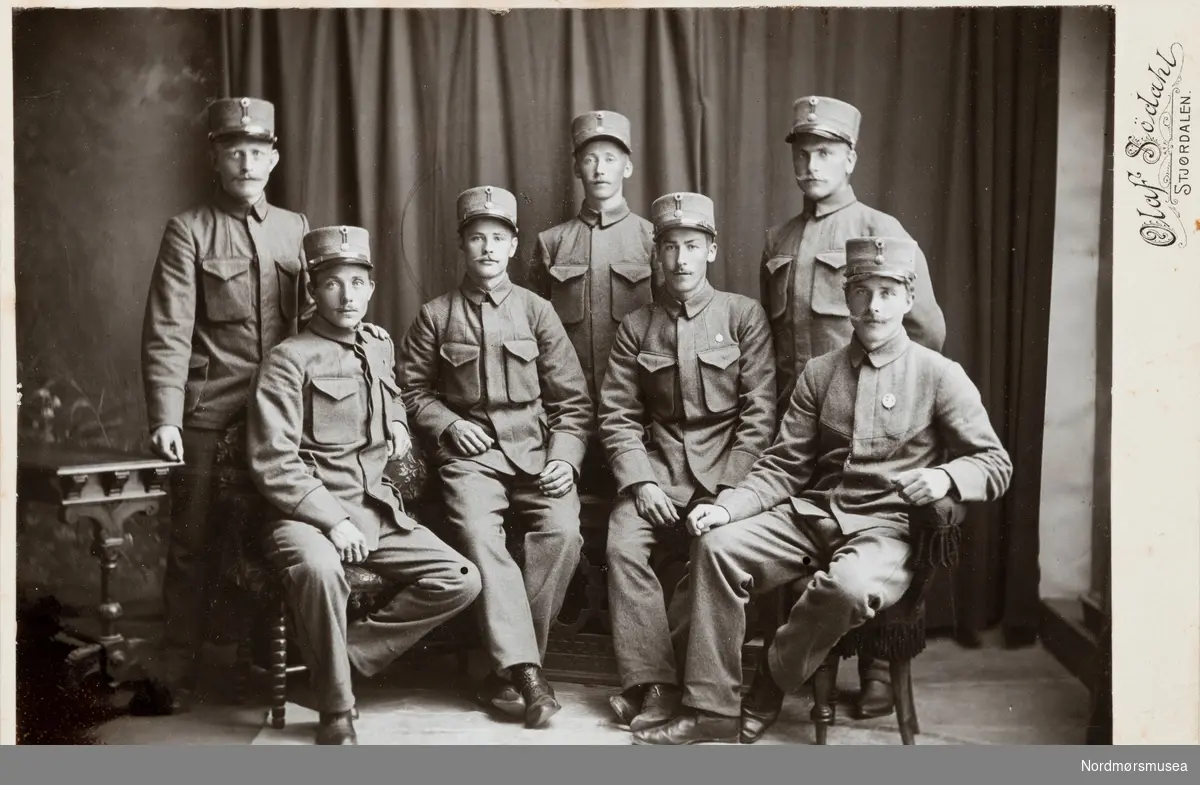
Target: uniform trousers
x: 637, y: 608
x: 852, y: 577
x: 438, y: 583
x: 190, y: 576
x: 515, y: 610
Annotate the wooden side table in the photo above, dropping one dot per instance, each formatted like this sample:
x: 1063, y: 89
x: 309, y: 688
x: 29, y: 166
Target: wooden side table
x: 106, y: 488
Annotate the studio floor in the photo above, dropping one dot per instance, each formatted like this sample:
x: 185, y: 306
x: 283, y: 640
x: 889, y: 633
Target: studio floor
x: 990, y: 695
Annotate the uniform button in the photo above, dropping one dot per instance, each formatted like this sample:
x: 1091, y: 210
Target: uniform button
x: 806, y: 561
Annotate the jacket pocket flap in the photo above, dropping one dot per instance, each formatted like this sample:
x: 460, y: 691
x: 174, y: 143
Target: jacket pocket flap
x: 197, y: 361
x: 720, y: 358
x: 459, y: 353
x: 567, y: 272
x: 834, y: 259
x: 655, y: 362
x: 775, y: 262
x: 337, y: 388
x: 225, y: 268
x: 634, y: 273
x: 522, y: 348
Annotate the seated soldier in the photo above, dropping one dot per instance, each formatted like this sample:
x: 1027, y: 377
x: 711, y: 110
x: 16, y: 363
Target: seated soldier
x: 492, y: 381
x: 871, y: 430
x: 325, y: 418
x: 695, y: 374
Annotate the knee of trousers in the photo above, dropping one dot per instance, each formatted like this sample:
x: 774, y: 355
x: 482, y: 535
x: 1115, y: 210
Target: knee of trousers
x: 624, y: 553
x: 318, y: 571
x: 463, y: 582
x: 855, y: 594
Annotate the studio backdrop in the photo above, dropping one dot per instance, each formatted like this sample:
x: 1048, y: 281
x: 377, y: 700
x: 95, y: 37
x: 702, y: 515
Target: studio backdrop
x: 384, y: 116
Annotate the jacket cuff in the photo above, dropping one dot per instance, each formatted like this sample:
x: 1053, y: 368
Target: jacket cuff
x: 737, y: 467
x: 438, y: 417
x: 566, y: 447
x: 967, y: 480
x: 632, y: 467
x: 740, y: 503
x: 165, y: 408
x: 321, y: 509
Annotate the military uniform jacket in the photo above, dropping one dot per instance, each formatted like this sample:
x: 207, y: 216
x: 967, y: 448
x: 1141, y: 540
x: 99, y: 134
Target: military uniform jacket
x: 596, y: 270
x: 857, y: 421
x: 318, y: 428
x: 698, y: 380
x: 801, y: 279
x: 228, y: 285
x: 502, y: 360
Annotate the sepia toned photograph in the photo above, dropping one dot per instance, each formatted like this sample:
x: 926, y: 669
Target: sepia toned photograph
x: 657, y: 377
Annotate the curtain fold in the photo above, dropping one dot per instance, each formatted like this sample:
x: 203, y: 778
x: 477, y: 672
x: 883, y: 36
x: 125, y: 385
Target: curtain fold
x: 384, y: 116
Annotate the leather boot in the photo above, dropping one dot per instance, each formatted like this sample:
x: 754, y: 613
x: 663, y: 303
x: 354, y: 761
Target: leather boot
x: 337, y: 729
x: 628, y: 704
x: 540, y: 703
x: 691, y: 727
x: 497, y: 693
x: 762, y: 704
x: 660, y: 704
x: 875, y: 700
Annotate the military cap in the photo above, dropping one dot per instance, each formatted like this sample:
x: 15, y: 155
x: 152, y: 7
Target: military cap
x: 487, y: 201
x: 331, y: 244
x: 602, y: 124
x: 828, y: 117
x: 891, y: 257
x: 687, y: 210
x: 252, y: 117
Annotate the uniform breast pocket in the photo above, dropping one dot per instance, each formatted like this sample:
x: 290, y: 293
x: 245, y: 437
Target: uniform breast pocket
x: 459, y: 376
x: 288, y: 273
x: 719, y: 374
x: 228, y: 289
x: 779, y: 270
x: 630, y: 288
x: 520, y: 370
x: 337, y: 410
x: 658, y: 375
x: 567, y: 282
x: 828, y: 292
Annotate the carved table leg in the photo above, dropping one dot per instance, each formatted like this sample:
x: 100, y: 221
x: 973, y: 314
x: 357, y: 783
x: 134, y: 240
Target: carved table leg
x: 108, y: 540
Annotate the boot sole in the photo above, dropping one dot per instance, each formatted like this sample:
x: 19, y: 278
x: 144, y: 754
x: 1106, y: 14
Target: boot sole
x: 734, y: 740
x: 539, y: 714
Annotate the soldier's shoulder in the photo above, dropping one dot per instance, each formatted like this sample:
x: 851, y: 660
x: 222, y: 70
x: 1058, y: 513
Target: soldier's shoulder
x: 881, y: 223
x: 290, y: 216
x: 552, y: 236
x: 291, y: 350
x: 777, y: 231
x: 196, y: 214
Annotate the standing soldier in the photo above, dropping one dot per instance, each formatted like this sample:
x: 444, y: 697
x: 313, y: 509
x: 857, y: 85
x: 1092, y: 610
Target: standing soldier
x: 490, y: 379
x: 687, y: 406
x: 229, y: 284
x: 596, y: 268
x: 801, y: 280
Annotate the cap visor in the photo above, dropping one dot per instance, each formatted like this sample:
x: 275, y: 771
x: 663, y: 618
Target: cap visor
x: 483, y: 216
x: 903, y: 277
x: 824, y: 133
x: 609, y: 137
x: 239, y: 134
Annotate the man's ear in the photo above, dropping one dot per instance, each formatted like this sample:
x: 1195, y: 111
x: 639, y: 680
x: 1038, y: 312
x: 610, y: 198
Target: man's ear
x: 628, y: 168
x: 851, y: 160
x: 274, y: 159
x: 712, y: 252
x: 512, y: 253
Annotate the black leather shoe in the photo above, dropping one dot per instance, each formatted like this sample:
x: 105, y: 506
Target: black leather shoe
x: 540, y: 703
x: 691, y: 727
x: 337, y: 729
x: 627, y: 705
x: 660, y: 704
x: 496, y: 693
x: 875, y: 700
x: 762, y: 704
x: 152, y: 698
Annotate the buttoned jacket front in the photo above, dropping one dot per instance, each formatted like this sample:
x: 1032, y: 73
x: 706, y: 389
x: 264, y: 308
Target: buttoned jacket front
x: 229, y: 284
x: 802, y: 284
x: 318, y: 428
x: 856, y: 421
x: 595, y: 269
x: 502, y: 360
x: 689, y: 398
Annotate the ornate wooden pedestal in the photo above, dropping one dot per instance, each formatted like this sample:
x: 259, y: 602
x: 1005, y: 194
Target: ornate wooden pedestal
x: 105, y: 488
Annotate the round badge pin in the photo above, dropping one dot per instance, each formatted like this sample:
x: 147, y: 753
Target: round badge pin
x: 889, y: 401
x: 718, y: 338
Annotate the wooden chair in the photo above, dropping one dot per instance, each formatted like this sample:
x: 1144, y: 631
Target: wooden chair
x: 897, y: 634
x: 264, y: 623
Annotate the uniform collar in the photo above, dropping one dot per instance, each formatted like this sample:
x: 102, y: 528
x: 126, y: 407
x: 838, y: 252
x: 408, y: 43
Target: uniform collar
x: 695, y: 304
x: 882, y: 355
x: 496, y: 294
x: 239, y: 210
x: 320, y: 327
x: 604, y: 218
x: 832, y: 203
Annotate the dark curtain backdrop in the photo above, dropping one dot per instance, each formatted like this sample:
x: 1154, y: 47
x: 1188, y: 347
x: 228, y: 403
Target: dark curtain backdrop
x: 384, y: 116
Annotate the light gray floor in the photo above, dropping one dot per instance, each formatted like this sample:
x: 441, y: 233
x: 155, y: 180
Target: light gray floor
x: 983, y: 696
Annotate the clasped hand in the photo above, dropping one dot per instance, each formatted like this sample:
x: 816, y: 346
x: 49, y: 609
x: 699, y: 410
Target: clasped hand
x: 351, y: 543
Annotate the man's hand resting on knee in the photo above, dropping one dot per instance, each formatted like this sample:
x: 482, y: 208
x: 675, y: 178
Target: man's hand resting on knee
x: 468, y: 439
x: 653, y: 505
x: 351, y: 544
x: 704, y: 517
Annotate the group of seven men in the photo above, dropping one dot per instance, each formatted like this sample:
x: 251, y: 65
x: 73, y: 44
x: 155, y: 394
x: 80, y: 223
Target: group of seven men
x: 789, y: 437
